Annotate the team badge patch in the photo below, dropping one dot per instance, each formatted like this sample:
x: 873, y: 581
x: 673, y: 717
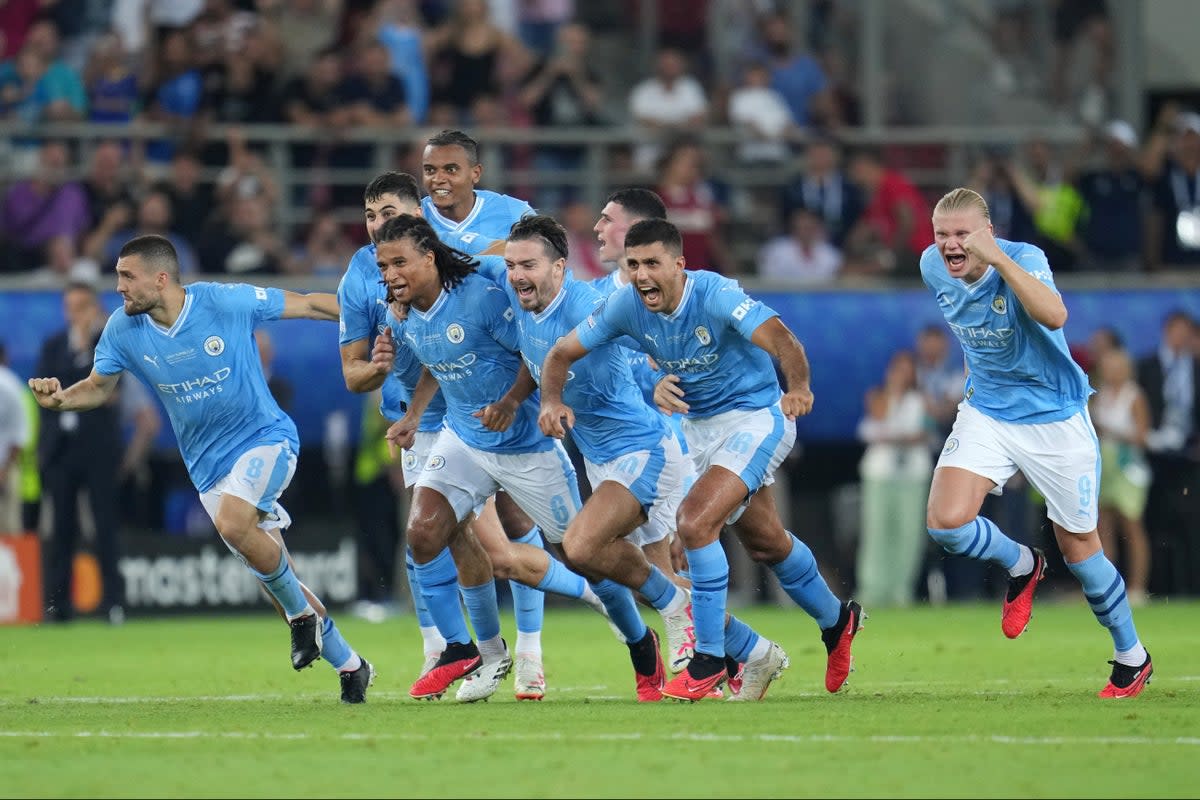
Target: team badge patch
x: 214, y: 345
x: 951, y: 446
x: 410, y: 460
x: 999, y: 306
x: 435, y: 462
x: 455, y: 333
x: 703, y: 335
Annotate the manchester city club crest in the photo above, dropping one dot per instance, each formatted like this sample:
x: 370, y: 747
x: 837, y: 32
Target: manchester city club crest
x: 214, y: 345
x: 703, y: 335
x: 951, y: 446
x: 455, y: 333
x: 410, y: 460
x: 999, y: 306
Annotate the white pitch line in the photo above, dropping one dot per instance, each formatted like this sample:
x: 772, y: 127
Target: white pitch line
x: 765, y: 738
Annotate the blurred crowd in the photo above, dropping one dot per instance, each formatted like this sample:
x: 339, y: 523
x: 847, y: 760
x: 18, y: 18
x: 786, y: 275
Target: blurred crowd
x: 779, y: 74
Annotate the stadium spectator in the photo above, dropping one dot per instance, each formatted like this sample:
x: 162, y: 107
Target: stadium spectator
x: 106, y: 182
x: 176, y: 92
x: 804, y: 255
x: 693, y: 207
x: 1075, y: 21
x: 399, y: 27
x: 15, y: 437
x: 220, y: 30
x: 114, y: 90
x: 823, y: 187
x: 37, y: 209
x: 1171, y: 379
x: 895, y: 471
x: 63, y: 264
x: 993, y: 179
x: 240, y: 88
x: 761, y: 116
x: 61, y: 86
x: 244, y: 241
x: 325, y: 249
x: 312, y: 100
x: 563, y: 90
x: 539, y: 22
x: 796, y: 75
x: 1172, y: 163
x: 1122, y: 417
x: 153, y: 216
x: 896, y: 217
x: 80, y: 452
x: 191, y: 198
x: 470, y: 57
x: 16, y: 17
x: 1114, y: 198
x: 1046, y: 184
x: 306, y: 28
x: 669, y: 102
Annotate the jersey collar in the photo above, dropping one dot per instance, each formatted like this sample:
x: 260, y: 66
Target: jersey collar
x: 558, y: 300
x: 179, y: 321
x: 688, y: 281
x: 433, y: 309
x: 977, y: 285
x: 457, y: 227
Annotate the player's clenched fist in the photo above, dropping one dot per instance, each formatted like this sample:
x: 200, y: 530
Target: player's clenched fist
x: 383, y: 353
x: 797, y: 402
x: 47, y: 392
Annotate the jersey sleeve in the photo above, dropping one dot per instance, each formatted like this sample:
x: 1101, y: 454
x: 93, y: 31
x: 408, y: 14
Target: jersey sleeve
x: 469, y: 242
x: 265, y: 303
x: 494, y: 269
x: 500, y: 320
x: 1033, y: 260
x: 741, y: 312
x: 608, y: 322
x: 354, y: 317
x: 109, y: 357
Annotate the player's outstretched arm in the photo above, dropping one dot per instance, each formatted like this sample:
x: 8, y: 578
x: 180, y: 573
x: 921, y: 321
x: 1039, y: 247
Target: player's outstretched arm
x: 314, y: 305
x: 89, y: 393
x: 566, y: 351
x: 1039, y: 300
x: 359, y: 368
x: 775, y: 337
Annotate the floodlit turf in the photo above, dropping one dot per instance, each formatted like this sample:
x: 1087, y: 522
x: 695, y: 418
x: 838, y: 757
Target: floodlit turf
x: 941, y: 704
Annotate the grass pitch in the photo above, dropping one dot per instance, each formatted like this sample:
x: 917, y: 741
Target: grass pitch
x: 940, y: 705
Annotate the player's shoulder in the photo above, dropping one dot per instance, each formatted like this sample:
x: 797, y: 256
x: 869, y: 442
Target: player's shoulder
x: 506, y: 200
x: 931, y: 260
x: 362, y: 262
x: 1029, y: 256
x: 582, y: 295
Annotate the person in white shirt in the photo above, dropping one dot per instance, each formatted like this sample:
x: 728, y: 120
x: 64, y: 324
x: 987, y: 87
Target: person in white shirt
x: 895, y: 471
x: 804, y: 255
x: 762, y: 116
x: 669, y: 101
x: 14, y: 438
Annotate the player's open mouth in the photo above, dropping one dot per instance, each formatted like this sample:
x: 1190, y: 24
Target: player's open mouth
x: 524, y: 292
x: 650, y: 294
x: 956, y: 260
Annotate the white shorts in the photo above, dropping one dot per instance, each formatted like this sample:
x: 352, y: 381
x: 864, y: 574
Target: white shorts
x: 657, y: 478
x: 412, y: 459
x: 259, y: 477
x: 750, y: 444
x: 1060, y: 459
x: 542, y: 484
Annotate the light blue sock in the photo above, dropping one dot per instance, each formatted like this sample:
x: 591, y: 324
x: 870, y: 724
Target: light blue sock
x: 560, y: 580
x: 710, y: 583
x: 658, y: 589
x: 1105, y: 591
x: 740, y: 639
x: 334, y: 647
x: 979, y: 539
x: 621, y: 607
x: 800, y: 578
x: 284, y: 587
x: 424, y: 618
x: 528, y: 603
x: 439, y: 583
x: 483, y: 609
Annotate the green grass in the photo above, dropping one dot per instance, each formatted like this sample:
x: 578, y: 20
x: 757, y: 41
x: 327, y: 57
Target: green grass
x: 941, y: 705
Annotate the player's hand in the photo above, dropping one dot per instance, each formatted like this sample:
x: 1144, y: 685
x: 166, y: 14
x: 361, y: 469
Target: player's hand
x: 401, y: 434
x: 982, y: 245
x: 552, y: 417
x: 497, y: 416
x: 47, y: 392
x: 668, y: 396
x: 797, y: 402
x: 383, y: 352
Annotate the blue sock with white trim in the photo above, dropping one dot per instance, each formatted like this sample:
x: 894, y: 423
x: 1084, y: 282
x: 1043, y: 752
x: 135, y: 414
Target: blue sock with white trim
x: 710, y: 585
x: 979, y: 539
x: 284, y: 586
x: 484, y: 610
x: 1104, y: 589
x: 800, y: 578
x: 438, y: 581
x: 335, y: 649
x: 528, y: 603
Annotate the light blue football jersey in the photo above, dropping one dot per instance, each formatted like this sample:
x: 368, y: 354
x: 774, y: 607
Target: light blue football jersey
x: 705, y: 341
x: 1018, y: 369
x: 468, y: 339
x: 206, y: 371
x: 611, y: 418
x: 607, y: 284
x: 362, y: 298
x: 491, y: 218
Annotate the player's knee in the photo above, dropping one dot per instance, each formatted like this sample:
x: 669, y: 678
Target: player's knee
x: 948, y: 516
x: 577, y: 549
x: 426, y: 537
x: 694, y: 528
